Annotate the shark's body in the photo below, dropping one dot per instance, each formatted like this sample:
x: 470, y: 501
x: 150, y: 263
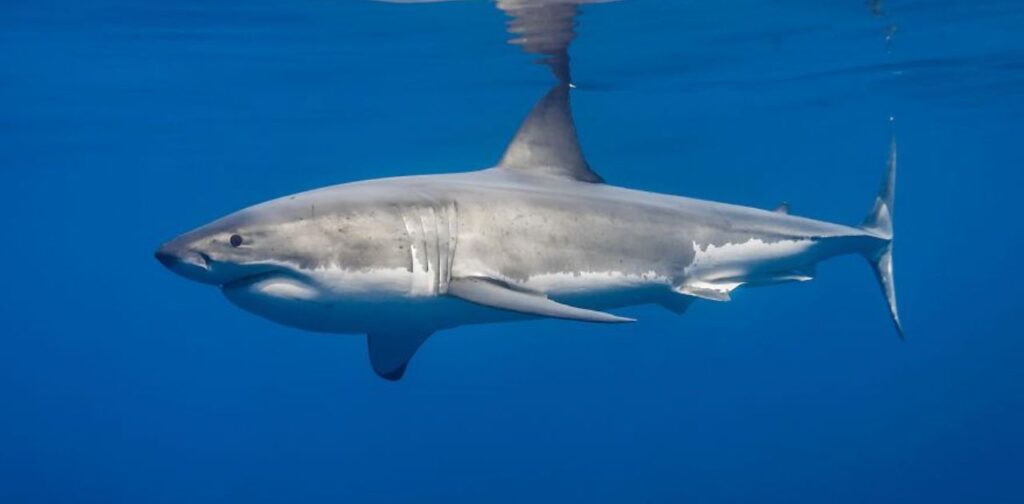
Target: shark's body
x: 539, y: 235
x: 598, y: 245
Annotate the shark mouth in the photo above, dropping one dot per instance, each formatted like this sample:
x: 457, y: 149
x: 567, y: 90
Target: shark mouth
x: 270, y: 284
x: 242, y: 276
x: 248, y: 280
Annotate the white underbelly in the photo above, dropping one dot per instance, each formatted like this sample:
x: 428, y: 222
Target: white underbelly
x: 743, y: 261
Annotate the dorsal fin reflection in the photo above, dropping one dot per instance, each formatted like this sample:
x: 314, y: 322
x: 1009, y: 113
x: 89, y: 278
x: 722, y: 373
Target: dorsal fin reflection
x: 541, y: 27
x: 546, y: 142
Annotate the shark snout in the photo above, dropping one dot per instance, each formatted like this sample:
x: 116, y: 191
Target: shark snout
x: 186, y: 262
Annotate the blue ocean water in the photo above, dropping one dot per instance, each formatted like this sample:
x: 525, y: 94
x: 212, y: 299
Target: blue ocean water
x: 126, y: 122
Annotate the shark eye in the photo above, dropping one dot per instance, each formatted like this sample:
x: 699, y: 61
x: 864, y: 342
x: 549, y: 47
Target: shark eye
x: 236, y: 240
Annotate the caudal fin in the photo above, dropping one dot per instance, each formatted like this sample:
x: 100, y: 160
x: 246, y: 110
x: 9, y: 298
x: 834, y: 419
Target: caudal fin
x: 879, y: 222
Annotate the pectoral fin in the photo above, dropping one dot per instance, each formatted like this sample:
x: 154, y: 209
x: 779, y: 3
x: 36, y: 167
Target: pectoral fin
x: 390, y: 351
x: 494, y: 294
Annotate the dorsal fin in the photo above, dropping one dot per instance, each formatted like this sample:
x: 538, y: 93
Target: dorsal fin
x: 783, y: 208
x: 546, y: 143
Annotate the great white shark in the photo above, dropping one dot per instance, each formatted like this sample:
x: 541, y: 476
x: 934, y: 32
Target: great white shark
x: 539, y: 235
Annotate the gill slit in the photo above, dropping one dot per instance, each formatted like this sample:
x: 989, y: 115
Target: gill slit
x: 432, y: 232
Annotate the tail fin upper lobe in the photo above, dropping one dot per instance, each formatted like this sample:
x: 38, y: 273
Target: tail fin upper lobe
x: 879, y: 222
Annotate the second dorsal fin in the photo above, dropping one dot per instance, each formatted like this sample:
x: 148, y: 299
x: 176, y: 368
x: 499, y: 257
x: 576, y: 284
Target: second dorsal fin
x: 546, y: 143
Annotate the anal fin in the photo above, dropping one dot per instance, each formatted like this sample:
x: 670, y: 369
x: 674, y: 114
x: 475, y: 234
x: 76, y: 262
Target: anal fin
x: 793, y: 277
x: 799, y: 275
x: 495, y: 294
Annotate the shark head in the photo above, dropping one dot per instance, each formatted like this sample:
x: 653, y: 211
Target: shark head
x: 322, y: 260
x: 234, y: 249
x: 255, y: 256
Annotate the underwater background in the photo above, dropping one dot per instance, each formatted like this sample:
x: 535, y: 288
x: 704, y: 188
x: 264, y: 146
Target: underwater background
x: 126, y: 122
